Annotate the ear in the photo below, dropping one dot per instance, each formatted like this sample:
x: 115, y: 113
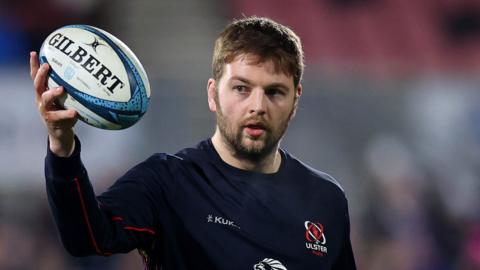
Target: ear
x: 212, y: 92
x: 298, y: 93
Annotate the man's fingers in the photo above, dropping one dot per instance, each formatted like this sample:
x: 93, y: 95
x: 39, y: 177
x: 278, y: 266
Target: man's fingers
x: 40, y: 81
x: 60, y: 115
x: 48, y: 97
x: 34, y: 64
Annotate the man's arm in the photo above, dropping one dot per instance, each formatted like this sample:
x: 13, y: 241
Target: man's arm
x: 86, y: 226
x: 73, y: 204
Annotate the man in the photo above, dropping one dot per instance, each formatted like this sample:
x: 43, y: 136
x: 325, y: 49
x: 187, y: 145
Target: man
x: 235, y: 201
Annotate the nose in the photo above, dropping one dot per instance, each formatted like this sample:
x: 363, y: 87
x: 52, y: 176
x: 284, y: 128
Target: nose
x: 258, y: 102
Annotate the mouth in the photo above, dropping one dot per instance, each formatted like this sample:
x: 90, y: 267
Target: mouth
x: 255, y: 129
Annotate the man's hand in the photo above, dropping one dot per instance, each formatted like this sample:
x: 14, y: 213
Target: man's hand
x: 59, y: 122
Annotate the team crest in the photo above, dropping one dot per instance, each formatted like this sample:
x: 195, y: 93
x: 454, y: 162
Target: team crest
x: 315, y: 236
x: 269, y: 264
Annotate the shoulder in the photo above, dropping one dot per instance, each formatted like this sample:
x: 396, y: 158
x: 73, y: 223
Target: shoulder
x: 185, y: 157
x: 159, y: 160
x: 317, y: 176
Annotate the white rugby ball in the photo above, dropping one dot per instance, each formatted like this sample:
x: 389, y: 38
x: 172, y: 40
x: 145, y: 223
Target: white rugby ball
x: 104, y: 81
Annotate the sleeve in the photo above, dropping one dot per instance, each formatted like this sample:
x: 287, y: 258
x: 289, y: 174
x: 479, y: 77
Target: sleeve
x: 345, y: 260
x: 123, y: 218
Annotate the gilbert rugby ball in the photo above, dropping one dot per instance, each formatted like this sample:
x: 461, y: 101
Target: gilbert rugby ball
x: 104, y: 81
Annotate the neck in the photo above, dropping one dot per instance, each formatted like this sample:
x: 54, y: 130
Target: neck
x: 270, y: 163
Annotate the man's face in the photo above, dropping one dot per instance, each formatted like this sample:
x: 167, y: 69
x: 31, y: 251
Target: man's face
x: 254, y: 104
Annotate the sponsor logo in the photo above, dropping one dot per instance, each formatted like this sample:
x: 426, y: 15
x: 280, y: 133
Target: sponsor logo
x: 221, y: 220
x: 269, y: 264
x: 315, y: 236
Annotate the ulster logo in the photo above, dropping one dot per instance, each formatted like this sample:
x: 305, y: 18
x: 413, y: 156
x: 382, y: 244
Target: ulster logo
x: 269, y: 264
x: 315, y: 236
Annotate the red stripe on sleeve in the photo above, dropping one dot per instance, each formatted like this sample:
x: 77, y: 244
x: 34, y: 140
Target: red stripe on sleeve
x: 147, y: 230
x: 85, y: 216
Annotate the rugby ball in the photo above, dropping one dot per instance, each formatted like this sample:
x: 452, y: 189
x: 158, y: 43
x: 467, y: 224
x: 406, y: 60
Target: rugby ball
x: 103, y: 79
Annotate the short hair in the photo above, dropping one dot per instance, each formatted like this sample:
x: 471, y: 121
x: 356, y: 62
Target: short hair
x: 264, y: 38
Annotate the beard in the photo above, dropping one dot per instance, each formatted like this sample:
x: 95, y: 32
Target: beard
x: 245, y: 147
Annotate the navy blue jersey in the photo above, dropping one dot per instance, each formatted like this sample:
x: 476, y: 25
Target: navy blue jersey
x: 191, y: 210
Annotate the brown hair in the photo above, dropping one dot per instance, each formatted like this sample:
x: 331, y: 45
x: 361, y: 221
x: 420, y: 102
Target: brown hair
x: 264, y: 38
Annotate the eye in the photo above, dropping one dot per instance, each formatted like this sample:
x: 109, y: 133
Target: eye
x: 240, y: 88
x: 274, y: 92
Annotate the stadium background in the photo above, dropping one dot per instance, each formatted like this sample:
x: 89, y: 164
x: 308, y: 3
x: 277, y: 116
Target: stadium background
x: 390, y: 108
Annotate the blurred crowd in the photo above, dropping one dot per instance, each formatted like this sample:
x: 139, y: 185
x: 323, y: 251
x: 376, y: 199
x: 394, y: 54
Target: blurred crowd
x: 406, y: 148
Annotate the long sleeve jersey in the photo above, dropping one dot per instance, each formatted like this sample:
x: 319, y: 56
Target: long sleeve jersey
x: 191, y: 210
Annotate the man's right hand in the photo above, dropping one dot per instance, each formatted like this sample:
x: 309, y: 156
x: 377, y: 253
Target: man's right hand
x: 59, y: 122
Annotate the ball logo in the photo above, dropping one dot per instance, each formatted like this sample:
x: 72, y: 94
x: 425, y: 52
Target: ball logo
x: 87, y: 61
x: 269, y: 264
x: 316, y: 239
x: 69, y: 73
x: 94, y: 44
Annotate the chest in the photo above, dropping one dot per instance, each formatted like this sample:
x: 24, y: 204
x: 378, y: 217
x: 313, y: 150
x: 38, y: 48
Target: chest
x: 258, y: 224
